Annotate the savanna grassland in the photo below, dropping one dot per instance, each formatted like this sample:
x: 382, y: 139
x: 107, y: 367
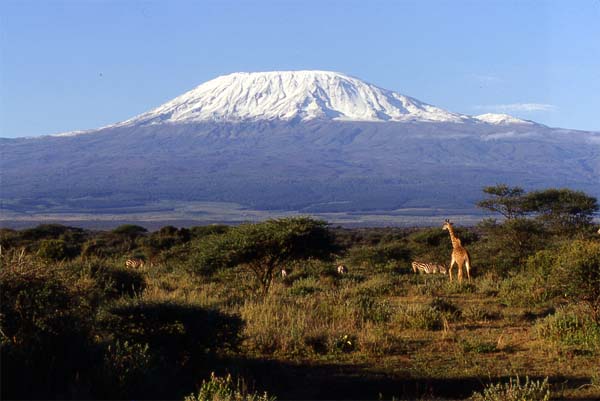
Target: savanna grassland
x: 77, y: 323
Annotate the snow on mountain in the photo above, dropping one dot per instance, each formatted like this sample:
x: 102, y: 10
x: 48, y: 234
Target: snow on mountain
x: 292, y: 95
x: 501, y: 119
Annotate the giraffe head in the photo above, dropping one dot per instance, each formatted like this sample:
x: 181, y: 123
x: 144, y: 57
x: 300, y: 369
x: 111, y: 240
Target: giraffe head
x: 447, y: 225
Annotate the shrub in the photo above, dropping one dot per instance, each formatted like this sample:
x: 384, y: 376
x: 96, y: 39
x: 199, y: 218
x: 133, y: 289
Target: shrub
x: 524, y: 290
x: 127, y: 366
x: 371, y: 310
x: 305, y: 286
x: 225, y: 389
x: 571, y: 327
x: 505, y: 247
x: 379, y: 255
x: 515, y: 391
x: 115, y: 282
x: 576, y: 273
x: 46, y: 331
x: 419, y: 317
x: 53, y: 249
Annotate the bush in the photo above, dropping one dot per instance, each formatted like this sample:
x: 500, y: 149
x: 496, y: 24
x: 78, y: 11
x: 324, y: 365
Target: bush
x: 114, y: 282
x: 224, y: 389
x: 421, y: 317
x: 524, y: 289
x: 505, y: 247
x: 46, y: 331
x: 576, y: 274
x: 571, y: 327
x: 515, y: 391
x: 371, y: 310
x: 53, y: 250
x: 379, y: 255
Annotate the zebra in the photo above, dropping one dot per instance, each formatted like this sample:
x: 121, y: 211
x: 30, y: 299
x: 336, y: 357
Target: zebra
x: 428, y: 268
x: 134, y: 263
x: 341, y: 269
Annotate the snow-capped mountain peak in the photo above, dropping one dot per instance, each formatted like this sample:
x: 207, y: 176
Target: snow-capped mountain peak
x: 501, y: 119
x: 292, y: 95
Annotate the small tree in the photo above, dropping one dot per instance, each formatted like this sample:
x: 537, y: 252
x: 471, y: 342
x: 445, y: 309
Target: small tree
x: 561, y: 209
x: 266, y: 247
x: 130, y: 232
x: 508, y: 201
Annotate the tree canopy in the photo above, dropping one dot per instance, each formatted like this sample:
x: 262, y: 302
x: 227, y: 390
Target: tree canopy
x: 265, y: 247
x: 504, y: 200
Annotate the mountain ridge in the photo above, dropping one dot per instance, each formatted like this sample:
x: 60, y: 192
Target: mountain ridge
x: 302, y: 95
x: 308, y: 165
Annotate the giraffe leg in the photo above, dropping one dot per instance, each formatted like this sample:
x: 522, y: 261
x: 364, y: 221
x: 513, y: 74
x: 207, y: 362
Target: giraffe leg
x: 468, y: 267
x: 450, y: 268
x: 459, y: 265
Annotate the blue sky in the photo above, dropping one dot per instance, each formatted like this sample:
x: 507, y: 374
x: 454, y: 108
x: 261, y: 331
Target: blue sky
x: 70, y: 65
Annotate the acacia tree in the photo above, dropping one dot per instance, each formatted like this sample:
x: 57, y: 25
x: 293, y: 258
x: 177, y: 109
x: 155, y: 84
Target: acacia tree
x: 129, y: 233
x: 561, y: 209
x: 508, y: 201
x: 266, y: 247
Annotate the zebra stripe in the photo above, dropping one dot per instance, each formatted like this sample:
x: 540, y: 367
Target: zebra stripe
x: 428, y: 268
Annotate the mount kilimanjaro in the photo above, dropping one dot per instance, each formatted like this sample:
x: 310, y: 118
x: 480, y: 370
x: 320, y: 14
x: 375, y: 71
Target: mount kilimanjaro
x: 308, y: 141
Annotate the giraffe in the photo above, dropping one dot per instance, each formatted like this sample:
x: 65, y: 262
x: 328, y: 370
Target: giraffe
x: 460, y: 255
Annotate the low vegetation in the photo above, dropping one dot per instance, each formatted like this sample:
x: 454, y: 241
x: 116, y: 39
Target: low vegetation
x: 209, y: 316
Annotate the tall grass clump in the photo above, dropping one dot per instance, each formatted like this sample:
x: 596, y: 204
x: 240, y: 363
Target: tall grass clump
x: 514, y: 390
x: 417, y: 316
x: 298, y: 325
x: 225, y: 389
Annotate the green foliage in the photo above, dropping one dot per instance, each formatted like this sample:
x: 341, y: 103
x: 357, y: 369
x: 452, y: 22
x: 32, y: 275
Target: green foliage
x: 224, y: 389
x: 372, y: 310
x: 203, y: 231
x: 265, y: 247
x: 127, y: 365
x: 46, y: 231
x: 163, y: 240
x: 561, y: 209
x: 53, y: 249
x: 508, y: 201
x: 115, y: 282
x: 524, y: 289
x: 130, y: 230
x: 478, y: 347
x: 46, y: 325
x: 572, y: 327
x: 418, y: 317
x: 514, y: 390
x: 378, y: 255
x: 172, y: 330
x: 505, y: 247
x: 573, y: 271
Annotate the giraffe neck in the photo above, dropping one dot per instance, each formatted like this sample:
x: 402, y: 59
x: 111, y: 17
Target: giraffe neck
x: 455, y: 240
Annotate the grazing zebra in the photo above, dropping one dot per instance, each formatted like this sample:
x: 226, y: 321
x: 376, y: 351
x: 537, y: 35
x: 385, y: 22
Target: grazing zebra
x: 428, y: 268
x: 134, y: 263
x: 283, y: 273
x: 341, y: 269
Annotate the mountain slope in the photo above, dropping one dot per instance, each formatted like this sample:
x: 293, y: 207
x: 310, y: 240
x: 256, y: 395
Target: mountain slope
x: 292, y: 95
x: 308, y: 141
